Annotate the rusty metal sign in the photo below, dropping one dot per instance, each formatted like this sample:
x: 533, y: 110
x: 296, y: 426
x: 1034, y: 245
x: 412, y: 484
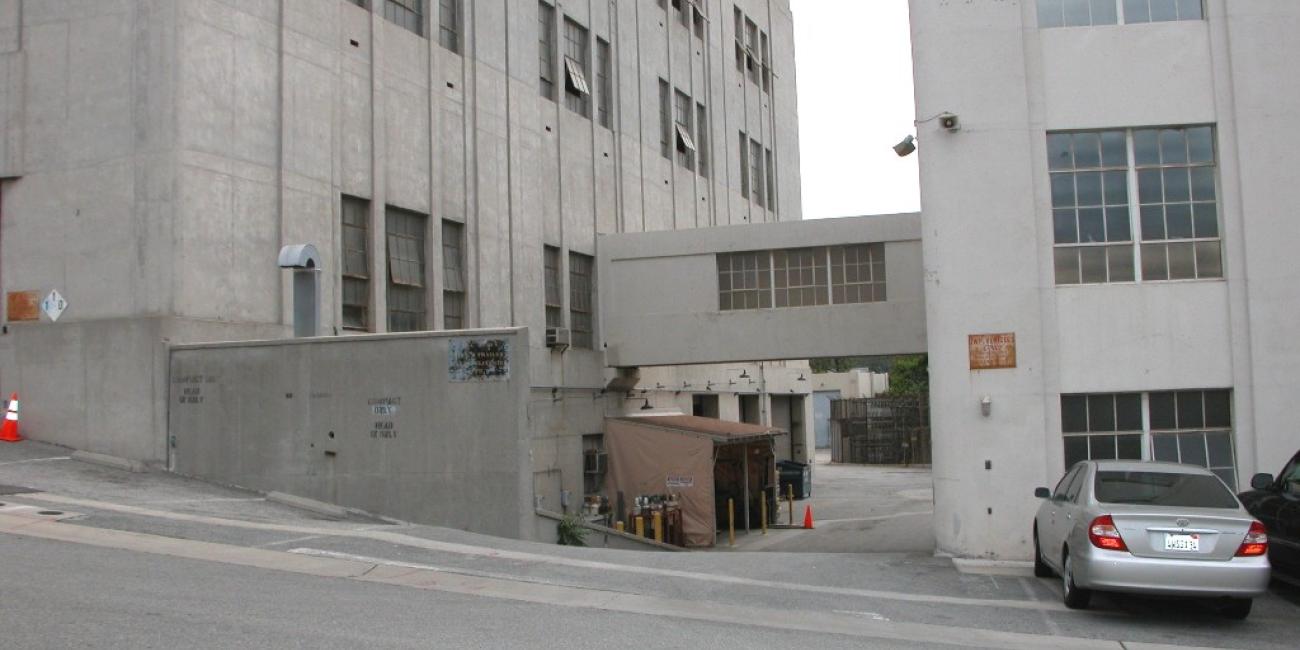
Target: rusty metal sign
x: 992, y: 351
x: 24, y: 305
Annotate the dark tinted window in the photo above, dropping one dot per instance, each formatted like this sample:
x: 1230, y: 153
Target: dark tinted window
x: 1163, y: 489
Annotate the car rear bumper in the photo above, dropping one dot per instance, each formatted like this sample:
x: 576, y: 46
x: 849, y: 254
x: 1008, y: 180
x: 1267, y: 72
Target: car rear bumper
x: 1241, y: 577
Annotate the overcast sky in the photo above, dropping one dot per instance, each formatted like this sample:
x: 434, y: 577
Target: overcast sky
x: 853, y: 59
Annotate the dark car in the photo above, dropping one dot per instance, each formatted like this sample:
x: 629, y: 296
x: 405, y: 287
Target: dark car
x: 1276, y: 503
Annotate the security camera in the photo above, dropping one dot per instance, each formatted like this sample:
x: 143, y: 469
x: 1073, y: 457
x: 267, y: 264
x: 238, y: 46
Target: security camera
x: 906, y: 147
x: 949, y: 121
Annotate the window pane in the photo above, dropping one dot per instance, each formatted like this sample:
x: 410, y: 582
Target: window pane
x: 1162, y: 10
x: 1200, y: 140
x: 1128, y: 412
x: 1205, y: 218
x: 1203, y: 184
x: 1182, y: 262
x: 1190, y: 413
x: 1117, y: 226
x: 1162, y: 411
x: 1074, y: 413
x: 1154, y: 263
x: 1218, y: 408
x: 1177, y: 185
x: 1092, y: 226
x: 1130, y: 447
x: 1146, y: 147
x: 1219, y: 448
x: 1067, y: 265
x: 1153, y: 222
x: 1150, y: 186
x: 1120, y: 263
x: 1103, y: 12
x: 1136, y: 11
x: 1101, y: 447
x: 1164, y: 448
x: 1190, y: 10
x: 1058, y: 144
x: 1087, y: 150
x: 1092, y: 262
x: 1062, y: 190
x: 1077, y: 13
x: 1191, y: 449
x: 1076, y: 449
x: 1178, y: 221
x: 1101, y: 412
x: 1173, y: 146
x: 1117, y: 188
x: 1089, y: 184
x: 1228, y: 476
x: 1209, y: 260
x: 1114, y: 149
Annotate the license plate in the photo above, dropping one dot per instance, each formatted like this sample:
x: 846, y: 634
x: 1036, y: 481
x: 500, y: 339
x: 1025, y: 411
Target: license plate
x: 1176, y: 542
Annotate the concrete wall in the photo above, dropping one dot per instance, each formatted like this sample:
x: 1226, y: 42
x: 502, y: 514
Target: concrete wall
x: 986, y: 212
x: 381, y: 423
x: 645, y: 325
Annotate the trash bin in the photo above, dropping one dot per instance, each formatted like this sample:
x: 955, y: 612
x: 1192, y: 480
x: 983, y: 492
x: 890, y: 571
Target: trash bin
x: 797, y: 474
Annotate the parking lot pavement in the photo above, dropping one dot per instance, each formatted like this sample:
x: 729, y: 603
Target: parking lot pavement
x: 911, y: 596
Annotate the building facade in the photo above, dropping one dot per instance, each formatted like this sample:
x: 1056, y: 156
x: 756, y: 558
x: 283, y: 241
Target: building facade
x: 453, y: 161
x: 1104, y: 180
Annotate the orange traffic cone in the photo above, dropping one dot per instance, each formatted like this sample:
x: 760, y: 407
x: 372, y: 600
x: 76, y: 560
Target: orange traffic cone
x: 807, y: 517
x: 9, y: 432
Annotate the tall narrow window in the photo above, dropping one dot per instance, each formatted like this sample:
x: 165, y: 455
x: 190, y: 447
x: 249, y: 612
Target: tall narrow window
x: 744, y: 165
x: 756, y: 170
x: 682, y: 119
x: 702, y: 139
x: 665, y: 120
x: 698, y: 12
x: 751, y: 50
x: 551, y: 278
x: 739, y: 33
x: 604, y: 91
x: 546, y: 49
x: 581, y: 298
x: 408, y: 14
x: 577, y: 94
x: 449, y: 24
x: 356, y: 263
x: 766, y: 54
x: 771, y: 179
x: 1178, y: 203
x: 453, y: 275
x: 1090, y: 207
x: 405, y: 232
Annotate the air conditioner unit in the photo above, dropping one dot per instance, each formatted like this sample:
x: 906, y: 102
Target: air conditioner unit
x: 593, y: 462
x: 558, y: 338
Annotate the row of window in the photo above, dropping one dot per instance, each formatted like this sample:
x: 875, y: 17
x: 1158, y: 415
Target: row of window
x: 1083, y: 13
x: 1135, y: 204
x: 753, y: 52
x: 1193, y: 427
x: 757, y: 173
x: 801, y: 277
x: 409, y: 14
x: 407, y: 282
x: 689, y: 13
x: 576, y: 65
x: 683, y: 127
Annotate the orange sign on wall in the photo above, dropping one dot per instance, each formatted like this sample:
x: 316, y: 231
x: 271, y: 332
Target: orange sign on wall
x: 24, y: 305
x: 992, y: 351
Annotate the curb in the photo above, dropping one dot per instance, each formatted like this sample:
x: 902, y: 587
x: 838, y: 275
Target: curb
x: 310, y: 505
x: 110, y: 461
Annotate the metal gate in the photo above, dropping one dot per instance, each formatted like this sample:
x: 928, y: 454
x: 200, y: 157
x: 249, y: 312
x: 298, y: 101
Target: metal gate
x: 881, y: 431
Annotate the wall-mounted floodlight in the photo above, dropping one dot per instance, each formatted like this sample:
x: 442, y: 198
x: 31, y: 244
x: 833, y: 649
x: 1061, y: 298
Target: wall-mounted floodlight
x: 906, y: 147
x: 305, y: 262
x: 950, y: 122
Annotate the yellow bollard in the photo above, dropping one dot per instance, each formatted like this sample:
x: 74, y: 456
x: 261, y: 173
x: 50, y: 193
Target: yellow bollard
x: 731, y: 521
x: 658, y: 519
x: 618, y: 525
x: 789, y: 498
x: 640, y: 526
x: 762, y: 511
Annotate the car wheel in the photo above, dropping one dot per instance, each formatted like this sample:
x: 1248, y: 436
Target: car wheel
x: 1041, y: 570
x: 1236, y: 609
x: 1075, y: 597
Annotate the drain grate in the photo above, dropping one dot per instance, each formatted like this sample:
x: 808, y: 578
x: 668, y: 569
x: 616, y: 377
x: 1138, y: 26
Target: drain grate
x: 15, y: 489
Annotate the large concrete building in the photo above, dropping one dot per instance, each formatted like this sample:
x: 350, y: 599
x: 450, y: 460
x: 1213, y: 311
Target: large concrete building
x: 1109, y: 187
x: 453, y: 161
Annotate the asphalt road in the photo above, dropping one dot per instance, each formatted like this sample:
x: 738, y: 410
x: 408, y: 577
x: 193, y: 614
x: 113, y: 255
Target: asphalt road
x: 153, y: 560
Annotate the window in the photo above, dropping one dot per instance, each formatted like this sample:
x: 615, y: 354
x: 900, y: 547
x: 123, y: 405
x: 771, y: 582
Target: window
x: 356, y: 263
x: 551, y: 278
x: 581, y: 289
x: 702, y: 139
x: 799, y: 277
x: 756, y: 170
x: 1103, y: 426
x: 577, y: 95
x: 683, y: 9
x: 1083, y: 13
x: 1174, y: 172
x: 740, y: 42
x: 1178, y: 203
x: 665, y: 120
x: 406, y: 294
x: 449, y: 24
x: 360, y: 3
x: 698, y: 13
x: 1142, y: 11
x: 1195, y: 428
x: 605, y: 94
x: 546, y: 49
x: 771, y: 180
x: 744, y: 280
x: 682, y: 124
x: 407, y: 14
x: 767, y: 63
x: 857, y: 273
x: 1166, y: 489
x: 453, y: 275
x: 744, y: 165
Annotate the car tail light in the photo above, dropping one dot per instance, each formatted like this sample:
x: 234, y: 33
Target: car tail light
x: 1103, y: 534
x: 1256, y: 542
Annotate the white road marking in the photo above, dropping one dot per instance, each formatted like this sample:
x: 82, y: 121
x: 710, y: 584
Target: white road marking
x: 36, y: 460
x: 551, y: 595
x: 896, y: 515
x: 161, y: 502
x: 523, y: 556
x: 294, y: 540
x: 1047, y: 618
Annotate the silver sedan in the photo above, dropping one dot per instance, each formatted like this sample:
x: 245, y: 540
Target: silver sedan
x: 1149, y: 528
